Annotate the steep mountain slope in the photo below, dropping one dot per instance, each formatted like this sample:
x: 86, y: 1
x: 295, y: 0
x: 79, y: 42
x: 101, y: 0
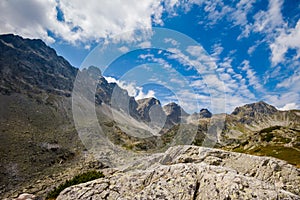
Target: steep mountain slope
x: 31, y: 66
x: 38, y: 135
x: 37, y: 132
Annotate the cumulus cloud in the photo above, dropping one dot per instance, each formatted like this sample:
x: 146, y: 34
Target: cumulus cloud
x: 32, y: 19
x: 142, y: 95
x: 77, y: 21
x: 132, y: 89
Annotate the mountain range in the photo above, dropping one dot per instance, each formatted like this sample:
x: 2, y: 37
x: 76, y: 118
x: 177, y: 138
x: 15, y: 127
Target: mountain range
x: 42, y: 139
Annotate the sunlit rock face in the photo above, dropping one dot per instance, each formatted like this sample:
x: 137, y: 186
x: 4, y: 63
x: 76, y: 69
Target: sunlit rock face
x: 189, y: 172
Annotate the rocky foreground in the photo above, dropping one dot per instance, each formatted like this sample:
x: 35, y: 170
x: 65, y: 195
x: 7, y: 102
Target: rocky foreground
x: 190, y: 172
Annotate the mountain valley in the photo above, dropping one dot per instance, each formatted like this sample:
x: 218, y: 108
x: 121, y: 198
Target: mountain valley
x: 48, y: 135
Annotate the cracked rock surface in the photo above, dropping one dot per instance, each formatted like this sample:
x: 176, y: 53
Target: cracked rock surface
x: 190, y: 172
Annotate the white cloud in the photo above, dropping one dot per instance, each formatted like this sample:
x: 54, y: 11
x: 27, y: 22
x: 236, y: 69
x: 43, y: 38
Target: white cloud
x: 252, y: 48
x: 142, y: 95
x: 285, y: 100
x: 239, y: 14
x: 270, y: 20
x: 278, y: 35
x: 251, y: 76
x: 144, y: 45
x: 288, y: 39
x: 124, y: 49
x: 30, y: 18
x: 217, y: 50
x: 216, y: 10
x: 291, y: 83
x: 289, y: 106
x: 172, y: 41
x: 195, y: 50
x: 83, y: 22
x: 132, y: 89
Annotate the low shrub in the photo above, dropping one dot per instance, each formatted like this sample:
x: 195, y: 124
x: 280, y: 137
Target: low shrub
x: 81, y: 178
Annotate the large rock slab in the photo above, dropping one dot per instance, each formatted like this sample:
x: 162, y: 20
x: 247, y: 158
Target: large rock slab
x: 189, y: 172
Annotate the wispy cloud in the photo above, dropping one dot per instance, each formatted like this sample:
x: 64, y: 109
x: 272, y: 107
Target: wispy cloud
x: 251, y: 76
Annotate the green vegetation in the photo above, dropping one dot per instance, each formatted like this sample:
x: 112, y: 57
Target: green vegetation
x: 268, y: 137
x: 269, y: 129
x: 81, y: 178
x: 284, y: 153
x: 288, y: 154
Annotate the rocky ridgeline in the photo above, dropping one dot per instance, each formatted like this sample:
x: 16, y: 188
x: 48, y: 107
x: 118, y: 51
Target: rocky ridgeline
x: 190, y: 172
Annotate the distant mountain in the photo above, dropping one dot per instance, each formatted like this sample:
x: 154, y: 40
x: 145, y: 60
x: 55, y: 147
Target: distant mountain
x: 150, y: 110
x: 254, y: 110
x: 261, y: 129
x: 205, y: 113
x: 174, y: 113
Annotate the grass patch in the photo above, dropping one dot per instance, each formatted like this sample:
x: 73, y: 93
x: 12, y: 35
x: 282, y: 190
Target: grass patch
x: 290, y: 155
x: 81, y: 178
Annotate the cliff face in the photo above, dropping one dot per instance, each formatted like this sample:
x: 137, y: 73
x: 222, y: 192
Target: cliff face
x: 189, y: 172
x: 175, y: 114
x: 30, y: 65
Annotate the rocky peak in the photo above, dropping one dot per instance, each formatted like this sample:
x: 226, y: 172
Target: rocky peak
x: 145, y: 106
x: 148, y: 102
x: 31, y: 66
x: 254, y: 112
x: 174, y: 113
x: 174, y: 108
x: 205, y: 113
x: 259, y: 107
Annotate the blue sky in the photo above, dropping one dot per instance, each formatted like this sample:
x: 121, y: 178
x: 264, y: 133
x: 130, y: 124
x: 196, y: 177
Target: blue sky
x: 212, y: 54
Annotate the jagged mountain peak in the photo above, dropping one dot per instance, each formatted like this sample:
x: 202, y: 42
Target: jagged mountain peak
x: 145, y: 106
x: 205, y: 113
x: 150, y: 101
x: 258, y: 107
x: 174, y: 107
x: 28, y: 45
x: 30, y: 65
x: 174, y: 113
x: 93, y: 70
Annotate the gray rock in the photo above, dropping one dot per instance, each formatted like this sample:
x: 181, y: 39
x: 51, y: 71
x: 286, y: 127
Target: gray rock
x: 174, y: 113
x: 189, y: 172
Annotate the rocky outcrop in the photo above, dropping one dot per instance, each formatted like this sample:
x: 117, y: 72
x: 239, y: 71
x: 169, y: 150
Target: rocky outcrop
x: 149, y: 108
x: 205, y: 113
x: 189, y: 172
x: 174, y: 114
x: 30, y: 65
